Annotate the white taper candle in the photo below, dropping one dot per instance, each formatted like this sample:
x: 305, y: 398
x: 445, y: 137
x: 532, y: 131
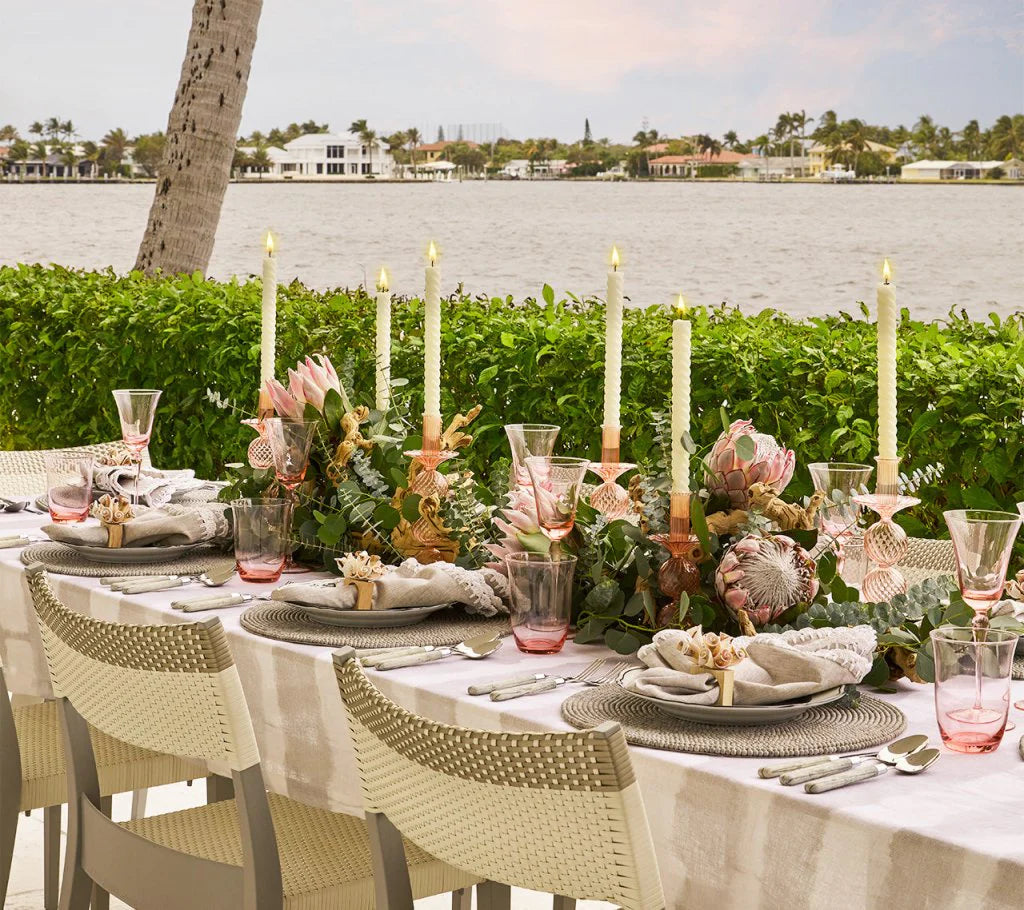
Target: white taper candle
x: 888, y: 317
x: 268, y: 325
x: 432, y: 338
x: 613, y: 345
x: 383, y: 363
x: 680, y: 404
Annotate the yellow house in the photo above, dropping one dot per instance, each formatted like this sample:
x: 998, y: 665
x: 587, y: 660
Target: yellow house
x: 432, y: 151
x: 818, y: 155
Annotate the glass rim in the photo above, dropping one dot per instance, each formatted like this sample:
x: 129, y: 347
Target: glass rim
x: 283, y: 419
x: 841, y: 466
x: 259, y: 501
x: 563, y: 460
x: 540, y: 558
x: 988, y: 516
x: 951, y: 633
x: 138, y: 391
x: 532, y: 426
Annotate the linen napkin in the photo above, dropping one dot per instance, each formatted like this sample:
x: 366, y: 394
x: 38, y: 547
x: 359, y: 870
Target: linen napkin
x: 166, y: 527
x: 480, y: 591
x: 156, y: 487
x: 778, y: 667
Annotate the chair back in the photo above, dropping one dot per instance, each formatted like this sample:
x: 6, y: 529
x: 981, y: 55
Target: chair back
x: 553, y: 812
x: 24, y: 473
x: 169, y: 688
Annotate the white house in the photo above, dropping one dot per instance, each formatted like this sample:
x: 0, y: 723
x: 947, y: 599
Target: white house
x: 521, y: 168
x: 961, y: 170
x: 329, y: 155
x: 771, y: 167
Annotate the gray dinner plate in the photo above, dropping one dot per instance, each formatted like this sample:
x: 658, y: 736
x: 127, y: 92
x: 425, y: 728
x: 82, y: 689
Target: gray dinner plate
x: 135, y: 555
x: 737, y: 715
x: 371, y: 619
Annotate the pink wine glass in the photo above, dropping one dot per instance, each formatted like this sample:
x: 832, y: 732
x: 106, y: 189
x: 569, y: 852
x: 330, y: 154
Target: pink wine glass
x: 556, y: 488
x: 136, y: 409
x: 290, y: 442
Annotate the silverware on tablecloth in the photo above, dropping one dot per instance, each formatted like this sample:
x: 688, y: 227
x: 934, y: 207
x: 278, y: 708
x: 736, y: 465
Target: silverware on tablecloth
x: 212, y: 578
x: 913, y: 763
x: 597, y: 678
x: 888, y: 754
x: 216, y: 602
x: 17, y: 540
x: 111, y: 580
x: 472, y: 648
x: 18, y: 505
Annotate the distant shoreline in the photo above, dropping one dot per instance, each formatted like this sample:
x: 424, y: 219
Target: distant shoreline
x: 327, y: 181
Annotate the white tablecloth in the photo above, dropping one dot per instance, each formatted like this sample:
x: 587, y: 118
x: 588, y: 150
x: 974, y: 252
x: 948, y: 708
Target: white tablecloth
x: 950, y: 838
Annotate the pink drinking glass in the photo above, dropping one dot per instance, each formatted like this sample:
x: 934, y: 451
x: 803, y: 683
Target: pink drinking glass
x: 290, y: 442
x: 557, y: 481
x: 972, y: 685
x: 541, y: 597
x: 526, y: 439
x: 261, y: 529
x: 136, y: 409
x: 837, y: 517
x: 69, y: 486
x: 983, y: 541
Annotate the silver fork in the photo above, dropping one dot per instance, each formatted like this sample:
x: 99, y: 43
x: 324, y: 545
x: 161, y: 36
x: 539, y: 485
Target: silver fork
x: 606, y: 670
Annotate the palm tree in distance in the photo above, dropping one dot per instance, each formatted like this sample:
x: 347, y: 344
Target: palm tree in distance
x: 37, y: 128
x: 798, y: 121
x: 53, y: 126
x: 8, y: 133
x: 413, y: 139
x: 40, y: 151
x: 19, y: 152
x: 115, y: 145
x: 367, y: 136
x: 730, y: 139
x: 261, y: 160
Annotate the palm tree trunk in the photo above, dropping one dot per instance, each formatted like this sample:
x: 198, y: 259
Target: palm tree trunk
x: 201, y: 131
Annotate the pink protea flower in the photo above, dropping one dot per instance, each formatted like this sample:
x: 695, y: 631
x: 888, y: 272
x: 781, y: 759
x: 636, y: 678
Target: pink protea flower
x: 519, y: 528
x: 729, y: 473
x: 308, y: 383
x: 765, y: 576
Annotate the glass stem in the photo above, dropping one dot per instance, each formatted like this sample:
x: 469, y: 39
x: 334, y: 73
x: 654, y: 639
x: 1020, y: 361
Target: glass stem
x: 138, y: 474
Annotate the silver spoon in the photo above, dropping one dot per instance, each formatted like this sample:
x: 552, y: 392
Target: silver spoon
x: 211, y: 579
x: 888, y: 754
x: 473, y: 648
x: 907, y: 764
x: 16, y: 505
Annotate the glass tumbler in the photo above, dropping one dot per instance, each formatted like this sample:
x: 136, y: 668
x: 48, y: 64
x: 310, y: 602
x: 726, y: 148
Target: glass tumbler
x: 261, y: 537
x: 541, y: 595
x: 526, y: 439
x: 69, y: 486
x: 972, y: 685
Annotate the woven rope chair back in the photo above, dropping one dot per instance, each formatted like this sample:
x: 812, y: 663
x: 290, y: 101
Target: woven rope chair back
x: 926, y: 558
x: 553, y: 812
x: 171, y: 689
x: 24, y: 473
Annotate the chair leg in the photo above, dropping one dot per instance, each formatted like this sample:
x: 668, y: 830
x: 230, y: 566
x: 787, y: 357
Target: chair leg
x: 462, y: 899
x: 51, y: 857
x: 392, y: 888
x: 139, y: 803
x: 563, y: 903
x: 219, y: 788
x: 100, y: 898
x: 493, y: 896
x: 8, y: 830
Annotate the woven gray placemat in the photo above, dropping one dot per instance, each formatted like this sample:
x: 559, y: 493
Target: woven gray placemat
x: 62, y: 560
x: 1018, y: 668
x: 822, y: 730
x: 288, y: 623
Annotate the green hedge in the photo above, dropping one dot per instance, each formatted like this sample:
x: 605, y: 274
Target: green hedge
x: 70, y: 337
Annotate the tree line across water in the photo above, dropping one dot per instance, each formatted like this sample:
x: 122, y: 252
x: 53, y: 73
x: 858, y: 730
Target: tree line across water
x: 845, y: 141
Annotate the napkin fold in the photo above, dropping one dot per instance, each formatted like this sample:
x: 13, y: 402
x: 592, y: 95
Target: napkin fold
x: 156, y: 487
x: 170, y: 526
x: 779, y: 666
x: 480, y: 591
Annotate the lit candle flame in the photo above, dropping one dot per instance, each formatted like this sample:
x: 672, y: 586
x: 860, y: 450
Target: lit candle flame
x: 680, y: 307
x: 615, y: 258
x: 886, y: 272
x: 432, y: 253
x: 270, y: 244
x: 382, y: 281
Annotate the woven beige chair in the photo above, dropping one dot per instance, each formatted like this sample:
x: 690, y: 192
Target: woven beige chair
x: 926, y: 558
x: 175, y: 689
x: 554, y: 812
x: 24, y: 473
x: 32, y: 777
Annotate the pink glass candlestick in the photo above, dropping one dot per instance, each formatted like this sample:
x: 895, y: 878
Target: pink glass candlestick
x: 609, y: 498
x: 260, y: 454
x: 680, y: 571
x: 885, y: 544
x: 428, y: 481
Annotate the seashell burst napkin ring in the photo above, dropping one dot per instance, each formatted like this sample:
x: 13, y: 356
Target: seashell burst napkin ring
x: 113, y: 512
x: 715, y: 654
x: 360, y: 570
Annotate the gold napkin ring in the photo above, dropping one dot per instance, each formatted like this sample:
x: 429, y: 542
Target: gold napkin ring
x: 115, y: 534
x: 726, y: 680
x: 364, y: 592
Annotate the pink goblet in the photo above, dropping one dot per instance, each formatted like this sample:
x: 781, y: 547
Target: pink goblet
x: 136, y: 409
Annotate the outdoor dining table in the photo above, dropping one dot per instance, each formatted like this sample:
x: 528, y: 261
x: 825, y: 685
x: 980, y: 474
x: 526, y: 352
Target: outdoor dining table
x: 950, y: 838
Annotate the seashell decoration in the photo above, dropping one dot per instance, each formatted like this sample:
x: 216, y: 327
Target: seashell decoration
x: 361, y: 566
x: 113, y: 512
x: 705, y: 650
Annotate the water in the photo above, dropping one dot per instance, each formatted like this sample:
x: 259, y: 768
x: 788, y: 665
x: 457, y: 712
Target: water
x: 806, y: 249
